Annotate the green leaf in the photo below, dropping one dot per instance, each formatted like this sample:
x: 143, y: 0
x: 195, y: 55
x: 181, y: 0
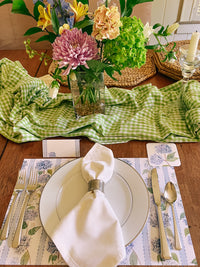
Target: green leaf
x: 130, y: 4
x: 34, y: 230
x: 150, y: 190
x: 19, y: 7
x: 151, y: 46
x: 43, y: 38
x: 35, y: 10
x: 159, y: 258
x: 50, y: 37
x: 110, y: 73
x: 31, y: 208
x: 194, y: 261
x: 96, y: 66
x: 50, y: 171
x: 163, y: 206
x: 165, y: 33
x: 165, y: 59
x: 55, y: 21
x: 174, y: 45
x: 122, y: 6
x: 133, y: 260
x: 175, y: 257
x: 84, y: 23
x: 52, y: 258
x: 169, y: 232
x: 140, y: 1
x: 6, y: 2
x: 170, y: 156
x: 32, y: 31
x: 182, y: 216
x: 24, y: 225
x: 85, y: 2
x: 25, y: 258
x: 173, y: 159
x: 156, y: 25
x: 186, y: 231
x: 161, y: 30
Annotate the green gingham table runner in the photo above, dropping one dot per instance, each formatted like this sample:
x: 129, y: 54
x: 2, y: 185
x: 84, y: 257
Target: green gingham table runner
x: 143, y: 113
x: 36, y: 248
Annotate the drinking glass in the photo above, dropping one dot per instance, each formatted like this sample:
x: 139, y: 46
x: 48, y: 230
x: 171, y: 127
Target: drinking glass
x: 188, y: 64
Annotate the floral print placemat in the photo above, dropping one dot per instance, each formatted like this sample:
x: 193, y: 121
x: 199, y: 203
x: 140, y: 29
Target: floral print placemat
x: 38, y: 249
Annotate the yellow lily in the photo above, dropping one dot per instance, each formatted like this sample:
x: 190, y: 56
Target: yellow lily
x: 44, y: 17
x: 79, y: 9
x: 64, y: 27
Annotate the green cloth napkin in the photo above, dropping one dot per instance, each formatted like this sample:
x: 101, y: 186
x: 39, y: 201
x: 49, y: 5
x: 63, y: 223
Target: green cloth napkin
x: 143, y: 113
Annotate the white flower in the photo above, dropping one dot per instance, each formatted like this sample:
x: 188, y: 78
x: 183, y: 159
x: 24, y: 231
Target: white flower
x: 148, y: 30
x: 172, y: 28
x: 53, y: 89
x: 53, y: 92
x: 172, y: 60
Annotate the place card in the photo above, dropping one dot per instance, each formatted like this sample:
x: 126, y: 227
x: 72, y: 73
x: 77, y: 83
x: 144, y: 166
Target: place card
x: 61, y: 148
x: 163, y: 154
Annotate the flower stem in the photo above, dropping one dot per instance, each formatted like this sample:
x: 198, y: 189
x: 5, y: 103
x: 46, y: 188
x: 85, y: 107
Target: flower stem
x: 101, y: 51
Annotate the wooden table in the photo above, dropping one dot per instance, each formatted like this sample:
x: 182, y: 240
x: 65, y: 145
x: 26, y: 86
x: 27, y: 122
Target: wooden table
x: 12, y: 155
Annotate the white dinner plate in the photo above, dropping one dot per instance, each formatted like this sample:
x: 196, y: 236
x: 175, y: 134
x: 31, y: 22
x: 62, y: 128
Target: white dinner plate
x: 126, y: 192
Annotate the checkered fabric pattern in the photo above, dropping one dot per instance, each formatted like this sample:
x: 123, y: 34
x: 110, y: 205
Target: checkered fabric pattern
x: 169, y: 114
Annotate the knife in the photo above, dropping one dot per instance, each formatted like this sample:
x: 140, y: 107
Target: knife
x: 165, y: 254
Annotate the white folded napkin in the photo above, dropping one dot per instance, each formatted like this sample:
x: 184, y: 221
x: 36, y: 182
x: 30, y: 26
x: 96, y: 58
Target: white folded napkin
x: 90, y: 235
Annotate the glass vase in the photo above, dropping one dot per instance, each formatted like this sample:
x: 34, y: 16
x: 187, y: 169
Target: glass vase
x: 88, y: 93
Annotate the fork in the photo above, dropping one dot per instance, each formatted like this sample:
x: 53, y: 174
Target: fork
x: 31, y: 186
x: 19, y: 187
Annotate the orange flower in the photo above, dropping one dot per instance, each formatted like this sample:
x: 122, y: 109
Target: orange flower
x: 106, y: 23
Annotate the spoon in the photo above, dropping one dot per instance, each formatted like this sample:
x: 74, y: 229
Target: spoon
x: 171, y: 196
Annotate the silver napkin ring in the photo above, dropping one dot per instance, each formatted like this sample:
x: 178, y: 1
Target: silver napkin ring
x: 96, y: 184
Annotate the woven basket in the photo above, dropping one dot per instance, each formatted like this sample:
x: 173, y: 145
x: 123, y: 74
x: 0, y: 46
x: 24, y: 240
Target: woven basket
x: 129, y: 77
x: 173, y: 69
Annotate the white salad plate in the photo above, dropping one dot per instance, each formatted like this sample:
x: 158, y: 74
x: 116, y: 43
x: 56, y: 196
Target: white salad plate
x: 126, y: 192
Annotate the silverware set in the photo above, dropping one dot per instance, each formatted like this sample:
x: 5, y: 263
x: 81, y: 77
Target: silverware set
x: 25, y: 190
x: 28, y: 188
x: 170, y: 196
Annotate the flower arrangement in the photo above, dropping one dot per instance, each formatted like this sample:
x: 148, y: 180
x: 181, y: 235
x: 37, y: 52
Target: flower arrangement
x: 109, y: 36
x: 108, y: 40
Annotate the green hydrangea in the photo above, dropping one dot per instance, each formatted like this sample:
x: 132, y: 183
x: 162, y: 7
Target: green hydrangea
x: 128, y: 49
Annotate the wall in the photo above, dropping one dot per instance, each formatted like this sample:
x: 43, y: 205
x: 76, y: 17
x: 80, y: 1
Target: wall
x: 13, y: 26
x: 186, y: 12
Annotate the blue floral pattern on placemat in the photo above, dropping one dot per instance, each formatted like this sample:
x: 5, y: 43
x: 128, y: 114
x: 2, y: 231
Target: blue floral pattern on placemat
x: 160, y: 154
x: 38, y: 249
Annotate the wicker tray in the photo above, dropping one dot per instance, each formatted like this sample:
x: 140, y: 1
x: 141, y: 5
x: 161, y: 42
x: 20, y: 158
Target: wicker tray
x: 129, y: 77
x: 173, y: 70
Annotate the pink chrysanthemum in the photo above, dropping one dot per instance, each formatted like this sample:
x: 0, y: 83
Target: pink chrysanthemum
x: 74, y: 48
